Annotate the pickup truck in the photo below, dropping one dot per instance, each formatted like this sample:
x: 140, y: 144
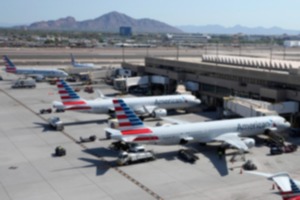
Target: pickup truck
x: 56, y: 123
x: 126, y: 158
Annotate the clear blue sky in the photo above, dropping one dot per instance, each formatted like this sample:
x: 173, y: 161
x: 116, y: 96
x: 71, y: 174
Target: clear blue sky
x: 266, y: 13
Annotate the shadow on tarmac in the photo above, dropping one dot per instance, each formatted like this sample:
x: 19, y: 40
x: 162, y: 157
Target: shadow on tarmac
x: 102, y: 121
x: 211, y: 153
x: 46, y: 127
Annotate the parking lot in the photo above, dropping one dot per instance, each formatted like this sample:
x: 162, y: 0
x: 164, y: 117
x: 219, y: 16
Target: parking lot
x: 28, y: 169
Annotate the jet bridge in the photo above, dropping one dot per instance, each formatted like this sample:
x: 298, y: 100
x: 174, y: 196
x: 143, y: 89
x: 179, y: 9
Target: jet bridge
x: 124, y: 83
x: 250, y: 108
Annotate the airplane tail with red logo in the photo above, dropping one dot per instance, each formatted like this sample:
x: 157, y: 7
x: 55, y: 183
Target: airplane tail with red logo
x: 131, y: 127
x: 9, y: 65
x: 70, y: 99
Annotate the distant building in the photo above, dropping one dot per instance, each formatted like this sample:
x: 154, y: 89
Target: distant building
x: 188, y: 37
x: 291, y: 43
x: 125, y: 31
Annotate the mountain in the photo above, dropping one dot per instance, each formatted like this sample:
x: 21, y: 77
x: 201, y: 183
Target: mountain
x: 110, y: 22
x: 217, y: 29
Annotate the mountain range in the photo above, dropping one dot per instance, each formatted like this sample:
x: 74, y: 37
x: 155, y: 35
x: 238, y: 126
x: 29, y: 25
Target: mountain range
x: 111, y: 22
x: 217, y: 29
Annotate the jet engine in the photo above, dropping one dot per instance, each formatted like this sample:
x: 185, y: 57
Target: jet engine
x: 157, y: 113
x: 249, y: 142
x: 38, y: 78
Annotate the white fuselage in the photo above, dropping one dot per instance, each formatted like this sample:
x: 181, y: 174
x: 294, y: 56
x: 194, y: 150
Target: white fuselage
x: 208, y: 131
x: 140, y: 104
x: 83, y: 65
x: 42, y: 72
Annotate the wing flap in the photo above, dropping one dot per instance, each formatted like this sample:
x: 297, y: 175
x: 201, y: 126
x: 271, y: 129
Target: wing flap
x: 174, y: 121
x: 233, y: 139
x: 146, y: 109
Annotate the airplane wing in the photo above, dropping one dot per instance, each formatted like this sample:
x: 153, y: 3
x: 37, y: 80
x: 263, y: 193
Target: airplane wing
x: 282, y: 180
x: 129, y: 138
x: 174, y: 121
x: 100, y: 94
x: 144, y: 109
x: 233, y: 139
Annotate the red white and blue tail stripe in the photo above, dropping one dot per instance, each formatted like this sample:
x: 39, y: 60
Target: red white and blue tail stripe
x: 9, y: 65
x: 129, y: 122
x: 69, y: 97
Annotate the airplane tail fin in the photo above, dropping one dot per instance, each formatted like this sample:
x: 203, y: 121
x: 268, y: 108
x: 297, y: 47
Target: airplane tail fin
x: 9, y: 65
x: 129, y: 122
x: 68, y: 96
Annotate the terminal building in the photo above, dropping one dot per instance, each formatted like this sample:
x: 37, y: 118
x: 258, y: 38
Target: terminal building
x: 215, y: 77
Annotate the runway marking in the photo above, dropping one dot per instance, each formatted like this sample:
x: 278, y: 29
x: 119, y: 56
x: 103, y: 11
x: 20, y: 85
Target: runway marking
x: 108, y: 165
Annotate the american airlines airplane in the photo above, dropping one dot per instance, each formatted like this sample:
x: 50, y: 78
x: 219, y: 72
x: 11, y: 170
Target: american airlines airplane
x: 80, y: 65
x: 37, y: 74
x: 287, y: 186
x: 154, y: 106
x: 234, y: 132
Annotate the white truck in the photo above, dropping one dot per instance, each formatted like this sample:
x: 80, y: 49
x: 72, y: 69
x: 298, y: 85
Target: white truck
x: 126, y: 158
x: 56, y: 123
x: 24, y: 83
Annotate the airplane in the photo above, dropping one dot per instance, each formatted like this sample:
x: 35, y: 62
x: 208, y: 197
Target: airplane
x: 233, y: 132
x: 287, y: 186
x: 37, y: 74
x: 80, y: 65
x: 154, y: 106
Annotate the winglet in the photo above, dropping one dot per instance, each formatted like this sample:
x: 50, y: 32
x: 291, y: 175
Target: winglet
x: 100, y: 94
x: 287, y: 186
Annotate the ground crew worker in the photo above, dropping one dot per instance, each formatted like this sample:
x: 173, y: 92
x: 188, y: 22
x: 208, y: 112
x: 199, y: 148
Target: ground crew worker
x: 220, y: 152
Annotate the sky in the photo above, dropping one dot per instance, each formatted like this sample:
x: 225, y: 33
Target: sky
x: 228, y: 13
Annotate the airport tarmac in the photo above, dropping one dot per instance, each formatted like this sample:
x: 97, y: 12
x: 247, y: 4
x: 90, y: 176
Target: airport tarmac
x: 28, y: 169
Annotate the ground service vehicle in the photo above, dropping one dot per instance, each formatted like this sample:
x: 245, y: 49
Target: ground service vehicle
x: 188, y: 155
x: 56, y: 123
x: 24, y: 83
x: 92, y: 138
x: 249, y: 165
x: 126, y: 158
x: 129, y: 147
x: 60, y: 151
x: 47, y: 110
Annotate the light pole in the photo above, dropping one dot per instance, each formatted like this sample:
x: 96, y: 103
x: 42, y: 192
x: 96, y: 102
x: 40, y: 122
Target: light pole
x: 177, y: 52
x: 284, y: 51
x: 123, y: 53
x: 217, y: 53
x: 271, y: 52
